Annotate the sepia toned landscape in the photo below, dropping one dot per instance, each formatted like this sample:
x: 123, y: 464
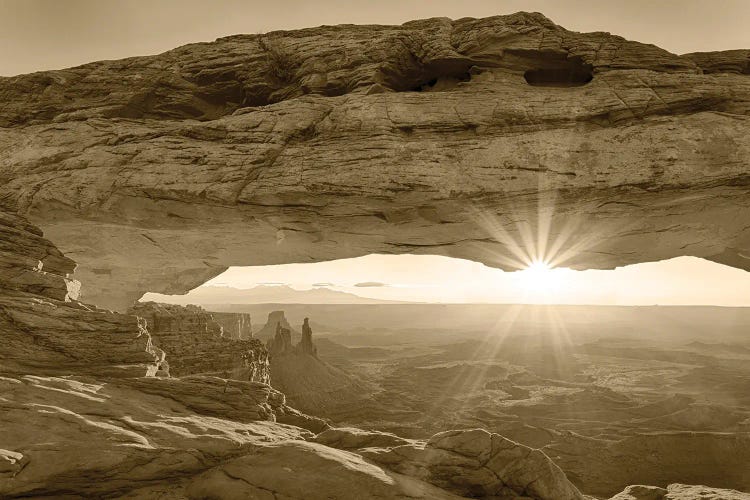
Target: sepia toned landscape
x: 130, y: 188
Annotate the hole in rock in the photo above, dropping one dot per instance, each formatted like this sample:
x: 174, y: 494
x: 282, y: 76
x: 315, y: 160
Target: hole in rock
x: 438, y: 279
x: 437, y: 76
x: 420, y: 344
x: 442, y: 83
x: 551, y: 72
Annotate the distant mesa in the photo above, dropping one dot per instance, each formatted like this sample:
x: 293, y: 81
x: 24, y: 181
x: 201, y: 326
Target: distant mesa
x: 369, y: 284
x: 270, y: 329
x: 320, y: 293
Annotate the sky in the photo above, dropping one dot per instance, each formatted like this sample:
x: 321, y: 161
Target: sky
x: 53, y: 34
x: 431, y: 278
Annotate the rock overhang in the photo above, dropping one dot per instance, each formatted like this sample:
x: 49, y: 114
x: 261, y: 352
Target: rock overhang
x: 339, y: 155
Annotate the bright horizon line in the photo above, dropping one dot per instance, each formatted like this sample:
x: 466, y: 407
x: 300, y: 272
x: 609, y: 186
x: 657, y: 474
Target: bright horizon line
x: 432, y: 279
x: 408, y: 302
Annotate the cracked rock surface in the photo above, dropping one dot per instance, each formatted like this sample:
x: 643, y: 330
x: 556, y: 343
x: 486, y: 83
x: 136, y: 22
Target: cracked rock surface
x: 156, y: 173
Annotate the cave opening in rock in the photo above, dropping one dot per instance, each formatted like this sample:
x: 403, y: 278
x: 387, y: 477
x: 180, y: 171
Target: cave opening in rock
x: 420, y: 343
x: 571, y: 72
x: 441, y: 83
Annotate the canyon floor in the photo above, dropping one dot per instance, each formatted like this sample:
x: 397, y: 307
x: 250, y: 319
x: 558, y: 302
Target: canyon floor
x: 615, y: 396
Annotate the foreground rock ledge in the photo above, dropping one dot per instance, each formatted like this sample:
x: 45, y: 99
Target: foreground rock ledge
x: 443, y: 137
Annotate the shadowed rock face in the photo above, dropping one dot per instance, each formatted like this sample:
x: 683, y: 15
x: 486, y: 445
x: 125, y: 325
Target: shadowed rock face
x: 306, y: 345
x: 281, y: 343
x: 443, y: 137
x: 44, y: 331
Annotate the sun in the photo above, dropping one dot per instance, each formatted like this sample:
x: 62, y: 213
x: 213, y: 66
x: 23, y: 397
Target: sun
x: 540, y: 276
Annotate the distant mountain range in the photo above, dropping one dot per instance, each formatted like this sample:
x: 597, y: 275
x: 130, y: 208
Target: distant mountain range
x: 265, y: 294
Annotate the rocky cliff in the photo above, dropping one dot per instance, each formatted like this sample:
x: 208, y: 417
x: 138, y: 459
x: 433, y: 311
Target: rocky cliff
x: 436, y: 136
x: 235, y: 325
x: 45, y: 331
x: 194, y: 343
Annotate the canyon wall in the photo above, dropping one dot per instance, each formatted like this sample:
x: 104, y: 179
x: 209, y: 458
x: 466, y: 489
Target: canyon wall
x: 235, y: 325
x: 195, y: 344
x: 501, y: 140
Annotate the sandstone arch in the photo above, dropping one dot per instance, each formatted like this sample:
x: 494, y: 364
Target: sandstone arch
x: 156, y: 173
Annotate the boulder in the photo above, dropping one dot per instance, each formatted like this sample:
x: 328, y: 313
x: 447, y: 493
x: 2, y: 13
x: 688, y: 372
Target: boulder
x: 476, y: 463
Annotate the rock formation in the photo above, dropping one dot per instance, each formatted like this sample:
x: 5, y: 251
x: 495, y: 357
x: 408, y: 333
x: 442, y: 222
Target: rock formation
x: 309, y: 383
x: 436, y: 136
x: 98, y: 428
x: 469, y: 463
x: 45, y: 331
x: 194, y: 343
x: 281, y: 343
x: 276, y: 319
x: 306, y: 345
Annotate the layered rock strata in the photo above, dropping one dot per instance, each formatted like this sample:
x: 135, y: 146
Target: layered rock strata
x: 437, y: 136
x: 45, y: 331
x: 234, y: 325
x: 195, y: 344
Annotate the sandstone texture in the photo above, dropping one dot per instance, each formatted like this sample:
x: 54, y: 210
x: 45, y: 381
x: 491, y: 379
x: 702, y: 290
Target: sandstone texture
x: 45, y: 330
x: 679, y: 492
x: 476, y: 463
x: 436, y: 136
x: 195, y: 343
x: 297, y: 469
